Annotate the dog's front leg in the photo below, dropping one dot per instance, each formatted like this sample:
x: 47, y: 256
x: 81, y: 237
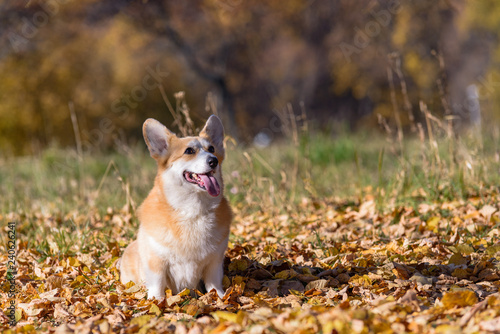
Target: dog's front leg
x: 214, y: 272
x: 213, y: 279
x: 155, y: 277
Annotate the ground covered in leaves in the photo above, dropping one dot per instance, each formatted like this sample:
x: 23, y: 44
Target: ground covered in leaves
x: 324, y: 267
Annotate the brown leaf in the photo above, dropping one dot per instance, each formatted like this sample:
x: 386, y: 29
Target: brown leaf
x: 306, y: 278
x: 133, y: 289
x: 492, y: 325
x: 272, y: 287
x: 457, y: 259
x: 60, y: 311
x: 31, y: 309
x: 55, y: 281
x: 343, y: 278
x: 487, y: 210
x: 467, y: 316
x: 401, y: 273
x: 318, y: 284
x: 238, y: 265
x: 261, y: 274
x: 80, y: 309
x: 191, y: 309
x: 173, y: 300
x: 409, y: 297
x: 63, y: 329
x: 291, y: 285
x: 488, y: 275
x: 253, y: 284
x: 116, y: 318
x: 460, y: 273
x: 286, y: 274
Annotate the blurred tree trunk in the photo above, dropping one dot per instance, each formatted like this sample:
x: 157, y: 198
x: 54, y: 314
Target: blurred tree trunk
x: 218, y: 80
x: 156, y: 18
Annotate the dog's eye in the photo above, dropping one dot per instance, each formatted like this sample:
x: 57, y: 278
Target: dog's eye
x: 189, y: 150
x: 211, y: 149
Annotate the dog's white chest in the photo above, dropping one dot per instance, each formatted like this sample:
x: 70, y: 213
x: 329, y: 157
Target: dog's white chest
x: 188, y: 253
x: 185, y: 274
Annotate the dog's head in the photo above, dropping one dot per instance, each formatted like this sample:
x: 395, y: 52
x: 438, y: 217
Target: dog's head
x: 188, y: 164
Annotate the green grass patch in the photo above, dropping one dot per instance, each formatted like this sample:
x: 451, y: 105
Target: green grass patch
x: 348, y: 166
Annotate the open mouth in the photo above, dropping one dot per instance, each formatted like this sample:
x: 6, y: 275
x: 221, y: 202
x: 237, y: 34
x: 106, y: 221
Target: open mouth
x: 205, y: 181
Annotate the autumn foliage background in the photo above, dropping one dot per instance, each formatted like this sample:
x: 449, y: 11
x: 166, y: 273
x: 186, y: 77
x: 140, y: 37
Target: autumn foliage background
x: 246, y: 59
x: 363, y: 161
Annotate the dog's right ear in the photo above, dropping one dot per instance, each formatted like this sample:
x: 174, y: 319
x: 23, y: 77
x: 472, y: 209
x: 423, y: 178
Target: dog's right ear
x: 156, y: 136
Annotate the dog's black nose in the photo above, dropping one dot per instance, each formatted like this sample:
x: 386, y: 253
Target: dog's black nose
x: 212, y: 162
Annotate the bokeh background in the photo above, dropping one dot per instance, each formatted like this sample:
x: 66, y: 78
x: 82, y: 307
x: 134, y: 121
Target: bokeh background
x: 354, y: 65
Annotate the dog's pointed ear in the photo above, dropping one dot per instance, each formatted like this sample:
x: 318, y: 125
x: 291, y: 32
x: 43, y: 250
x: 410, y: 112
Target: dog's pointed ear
x: 214, y: 131
x: 157, y: 138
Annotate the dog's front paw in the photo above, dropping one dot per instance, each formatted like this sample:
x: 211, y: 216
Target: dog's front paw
x: 159, y: 294
x: 220, y: 292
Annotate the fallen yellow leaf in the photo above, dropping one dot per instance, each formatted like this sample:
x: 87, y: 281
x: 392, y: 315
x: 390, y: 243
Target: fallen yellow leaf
x: 459, y: 299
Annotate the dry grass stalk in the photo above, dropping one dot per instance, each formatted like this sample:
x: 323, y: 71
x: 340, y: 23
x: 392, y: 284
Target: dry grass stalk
x: 397, y: 117
x: 396, y: 62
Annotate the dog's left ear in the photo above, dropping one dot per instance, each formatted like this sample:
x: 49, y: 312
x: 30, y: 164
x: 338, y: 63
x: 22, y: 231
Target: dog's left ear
x: 157, y: 137
x: 214, y: 131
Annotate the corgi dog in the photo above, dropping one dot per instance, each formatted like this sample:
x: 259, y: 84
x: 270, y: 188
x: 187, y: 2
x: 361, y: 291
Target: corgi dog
x: 184, y: 221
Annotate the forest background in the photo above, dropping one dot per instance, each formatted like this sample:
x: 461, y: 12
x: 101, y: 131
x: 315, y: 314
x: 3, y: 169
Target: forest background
x: 346, y: 65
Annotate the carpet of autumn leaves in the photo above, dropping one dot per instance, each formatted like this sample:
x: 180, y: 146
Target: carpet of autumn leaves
x: 329, y: 266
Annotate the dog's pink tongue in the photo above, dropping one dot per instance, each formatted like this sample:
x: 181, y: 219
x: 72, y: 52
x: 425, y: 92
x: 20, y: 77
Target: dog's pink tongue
x: 211, y: 184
